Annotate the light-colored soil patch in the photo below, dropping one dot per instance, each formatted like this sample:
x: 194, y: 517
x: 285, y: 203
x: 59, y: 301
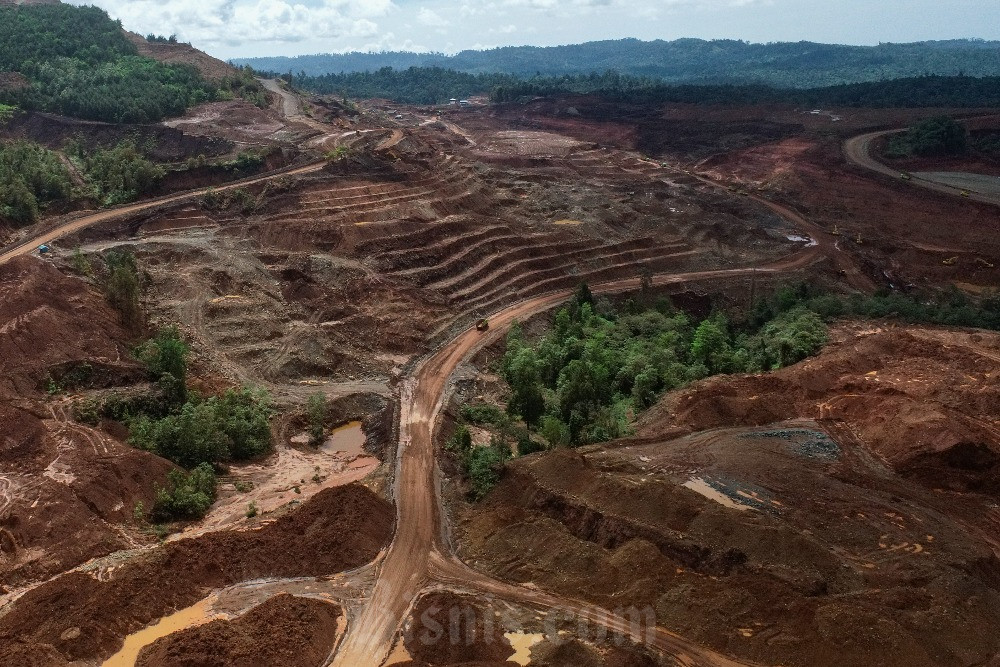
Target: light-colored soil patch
x: 981, y: 183
x: 292, y: 475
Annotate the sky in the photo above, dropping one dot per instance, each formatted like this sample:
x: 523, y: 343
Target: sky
x: 244, y: 28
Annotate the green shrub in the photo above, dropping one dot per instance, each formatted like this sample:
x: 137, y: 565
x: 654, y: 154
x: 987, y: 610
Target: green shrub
x: 87, y: 411
x: 484, y: 467
x: 231, y: 427
x: 460, y: 441
x: 484, y: 413
x: 526, y: 445
x: 186, y: 496
x: 165, y: 358
x: 316, y: 412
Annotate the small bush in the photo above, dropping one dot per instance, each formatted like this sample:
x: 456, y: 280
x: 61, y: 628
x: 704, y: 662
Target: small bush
x: 185, y: 496
x: 484, y: 413
x: 316, y: 412
x: 87, y: 411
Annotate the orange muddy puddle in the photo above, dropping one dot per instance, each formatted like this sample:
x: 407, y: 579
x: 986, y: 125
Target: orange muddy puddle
x: 399, y: 655
x: 196, y: 614
x: 522, y: 643
x: 704, y: 488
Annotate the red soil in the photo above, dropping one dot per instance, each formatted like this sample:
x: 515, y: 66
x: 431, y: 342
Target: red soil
x: 286, y: 630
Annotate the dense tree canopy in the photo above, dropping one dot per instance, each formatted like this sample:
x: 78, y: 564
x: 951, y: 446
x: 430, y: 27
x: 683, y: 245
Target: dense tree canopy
x: 79, y: 63
x: 436, y: 85
x: 31, y: 178
x: 597, y: 366
x: 934, y: 136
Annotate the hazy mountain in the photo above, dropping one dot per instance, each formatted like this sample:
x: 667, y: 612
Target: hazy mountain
x: 798, y: 64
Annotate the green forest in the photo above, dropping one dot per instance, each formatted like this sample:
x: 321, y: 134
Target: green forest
x: 436, y: 85
x: 783, y: 65
x: 34, y: 179
x: 934, y: 136
x: 78, y: 62
x: 598, y: 366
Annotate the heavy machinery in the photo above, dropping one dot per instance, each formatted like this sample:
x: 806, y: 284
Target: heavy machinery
x: 482, y: 324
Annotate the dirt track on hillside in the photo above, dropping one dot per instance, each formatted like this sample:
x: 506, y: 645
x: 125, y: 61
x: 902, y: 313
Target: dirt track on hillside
x: 858, y: 151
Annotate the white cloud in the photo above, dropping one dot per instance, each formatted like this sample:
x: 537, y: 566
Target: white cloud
x: 234, y: 22
x: 431, y: 18
x: 231, y: 28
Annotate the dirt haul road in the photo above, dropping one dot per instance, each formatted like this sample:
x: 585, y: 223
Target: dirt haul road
x: 43, y: 236
x: 420, y: 540
x: 858, y: 151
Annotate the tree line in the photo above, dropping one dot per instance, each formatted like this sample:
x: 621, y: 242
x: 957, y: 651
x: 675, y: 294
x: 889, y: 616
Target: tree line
x: 436, y: 85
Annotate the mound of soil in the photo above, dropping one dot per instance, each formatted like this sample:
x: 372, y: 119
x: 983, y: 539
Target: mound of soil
x: 50, y: 318
x: 83, y: 618
x: 449, y: 629
x: 286, y: 630
x: 574, y: 653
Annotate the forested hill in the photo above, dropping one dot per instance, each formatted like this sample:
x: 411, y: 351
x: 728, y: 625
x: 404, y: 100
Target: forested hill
x: 77, y: 62
x: 785, y: 65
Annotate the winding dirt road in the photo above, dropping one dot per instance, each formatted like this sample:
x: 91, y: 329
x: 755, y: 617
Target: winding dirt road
x: 858, y: 151
x: 41, y: 234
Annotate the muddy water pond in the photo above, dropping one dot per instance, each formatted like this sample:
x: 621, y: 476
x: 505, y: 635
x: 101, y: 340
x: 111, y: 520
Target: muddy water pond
x: 347, y: 439
x: 522, y: 643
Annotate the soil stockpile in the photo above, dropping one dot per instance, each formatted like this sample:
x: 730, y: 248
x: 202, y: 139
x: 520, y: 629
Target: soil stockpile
x: 286, y: 630
x: 83, y: 618
x: 449, y: 629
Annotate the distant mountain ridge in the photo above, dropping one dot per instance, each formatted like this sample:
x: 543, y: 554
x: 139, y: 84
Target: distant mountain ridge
x: 783, y: 64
